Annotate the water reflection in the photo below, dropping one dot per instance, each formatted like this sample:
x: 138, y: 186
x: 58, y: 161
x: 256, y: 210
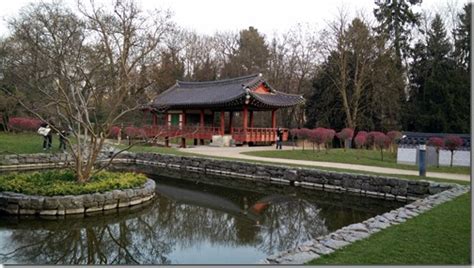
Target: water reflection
x: 187, y: 223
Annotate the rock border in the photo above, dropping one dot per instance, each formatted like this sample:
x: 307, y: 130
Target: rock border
x: 22, y: 204
x: 340, y: 238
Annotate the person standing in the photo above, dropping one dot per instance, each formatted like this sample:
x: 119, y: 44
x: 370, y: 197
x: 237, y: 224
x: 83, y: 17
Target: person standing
x: 45, y: 131
x: 279, y: 139
x: 62, y: 139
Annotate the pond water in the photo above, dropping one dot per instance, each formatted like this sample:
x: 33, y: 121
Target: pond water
x: 188, y: 223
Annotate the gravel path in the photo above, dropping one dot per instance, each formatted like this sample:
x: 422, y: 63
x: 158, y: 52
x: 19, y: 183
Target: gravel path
x: 235, y: 152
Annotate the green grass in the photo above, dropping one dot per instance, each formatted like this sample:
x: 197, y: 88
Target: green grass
x: 439, y: 236
x: 63, y: 182
x: 25, y: 143
x: 155, y: 149
x: 353, y: 156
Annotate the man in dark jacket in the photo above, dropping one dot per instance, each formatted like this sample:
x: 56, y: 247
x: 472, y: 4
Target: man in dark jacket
x: 279, y: 138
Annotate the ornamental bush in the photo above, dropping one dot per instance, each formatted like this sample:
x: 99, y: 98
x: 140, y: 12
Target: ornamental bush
x: 24, y: 124
x: 381, y: 141
x: 64, y: 182
x: 438, y: 143
x: 345, y: 135
x: 114, y: 132
x: 452, y: 143
x: 361, y: 139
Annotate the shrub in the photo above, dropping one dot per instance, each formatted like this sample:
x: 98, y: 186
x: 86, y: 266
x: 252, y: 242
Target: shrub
x: 452, y: 143
x: 345, y: 135
x: 381, y: 141
x: 134, y: 132
x: 294, y: 134
x: 438, y: 143
x: 361, y: 139
x: 303, y: 134
x: 114, y: 132
x: 24, y: 124
x: 64, y: 182
x: 330, y: 133
x: 394, y: 137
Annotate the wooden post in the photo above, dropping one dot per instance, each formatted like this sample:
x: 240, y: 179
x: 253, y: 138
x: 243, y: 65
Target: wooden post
x: 245, y: 123
x: 274, y: 122
x: 201, y: 121
x: 212, y: 118
x: 222, y: 122
x: 201, y: 131
x: 251, y: 118
x: 155, y: 120
x: 183, y: 126
x: 231, y: 117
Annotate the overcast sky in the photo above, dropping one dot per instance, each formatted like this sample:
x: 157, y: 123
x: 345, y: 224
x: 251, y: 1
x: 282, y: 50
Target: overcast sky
x: 268, y: 16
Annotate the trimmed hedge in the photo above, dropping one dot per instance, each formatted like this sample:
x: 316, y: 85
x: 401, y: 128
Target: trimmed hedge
x: 63, y: 182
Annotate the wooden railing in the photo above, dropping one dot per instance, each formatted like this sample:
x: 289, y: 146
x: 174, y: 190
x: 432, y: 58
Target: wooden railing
x: 257, y: 134
x: 189, y: 132
x: 240, y: 135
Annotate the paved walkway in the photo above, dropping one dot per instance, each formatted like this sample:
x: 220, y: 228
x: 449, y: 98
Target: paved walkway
x: 235, y: 152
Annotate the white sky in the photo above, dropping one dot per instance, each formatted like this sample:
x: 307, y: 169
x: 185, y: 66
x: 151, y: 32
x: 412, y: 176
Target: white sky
x: 268, y: 16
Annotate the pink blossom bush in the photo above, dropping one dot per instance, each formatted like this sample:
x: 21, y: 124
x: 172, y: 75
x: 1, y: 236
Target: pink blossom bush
x: 438, y: 143
x: 452, y: 143
x: 24, y: 124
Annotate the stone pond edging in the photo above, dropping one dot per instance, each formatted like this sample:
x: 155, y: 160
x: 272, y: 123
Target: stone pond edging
x: 347, y: 235
x: 369, y: 185
x: 22, y: 204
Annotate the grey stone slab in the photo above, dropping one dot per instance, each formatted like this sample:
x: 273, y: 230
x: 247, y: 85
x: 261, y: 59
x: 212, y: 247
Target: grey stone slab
x: 299, y: 258
x: 334, y: 244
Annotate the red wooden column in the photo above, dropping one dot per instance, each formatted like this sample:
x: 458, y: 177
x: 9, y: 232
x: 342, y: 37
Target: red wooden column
x: 274, y: 120
x: 231, y: 117
x: 167, y: 123
x: 155, y: 120
x: 222, y: 122
x: 245, y: 122
x: 183, y: 126
x: 251, y: 118
x: 201, y: 124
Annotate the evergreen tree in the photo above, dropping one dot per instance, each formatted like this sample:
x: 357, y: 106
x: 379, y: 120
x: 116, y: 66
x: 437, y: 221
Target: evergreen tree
x: 463, y: 34
x: 439, y: 96
x: 251, y: 57
x: 396, y: 19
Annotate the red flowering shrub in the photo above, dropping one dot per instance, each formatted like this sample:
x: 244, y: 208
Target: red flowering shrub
x: 380, y: 140
x: 394, y: 137
x: 303, y: 134
x: 452, y: 143
x: 361, y: 139
x: 134, y: 132
x: 24, y: 124
x: 345, y: 135
x: 438, y: 143
x: 114, y: 131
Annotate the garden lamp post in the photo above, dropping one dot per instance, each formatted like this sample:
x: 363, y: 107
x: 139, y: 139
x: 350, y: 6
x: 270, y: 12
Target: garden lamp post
x: 422, y: 160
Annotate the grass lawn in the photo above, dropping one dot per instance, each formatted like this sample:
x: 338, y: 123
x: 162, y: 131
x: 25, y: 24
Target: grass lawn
x: 439, y: 236
x: 24, y: 143
x: 353, y: 156
x: 155, y: 149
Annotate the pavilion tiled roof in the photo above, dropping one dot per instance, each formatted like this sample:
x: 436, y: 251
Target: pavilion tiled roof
x: 226, y: 93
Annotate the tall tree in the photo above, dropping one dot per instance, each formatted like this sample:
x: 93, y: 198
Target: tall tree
x: 251, y: 56
x: 396, y: 18
x: 462, y: 50
x: 439, y: 90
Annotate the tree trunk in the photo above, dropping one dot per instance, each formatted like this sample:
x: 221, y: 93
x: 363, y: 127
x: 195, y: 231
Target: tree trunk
x: 452, y: 154
x: 381, y: 153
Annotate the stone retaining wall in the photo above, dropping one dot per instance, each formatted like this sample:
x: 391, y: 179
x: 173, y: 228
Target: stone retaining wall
x: 370, y: 185
x: 16, y: 203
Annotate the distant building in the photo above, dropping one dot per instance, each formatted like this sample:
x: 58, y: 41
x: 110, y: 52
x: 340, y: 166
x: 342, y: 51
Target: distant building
x: 408, y: 150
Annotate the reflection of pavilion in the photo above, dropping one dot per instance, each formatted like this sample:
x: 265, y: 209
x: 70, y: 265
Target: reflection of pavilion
x: 188, y: 109
x: 216, y: 202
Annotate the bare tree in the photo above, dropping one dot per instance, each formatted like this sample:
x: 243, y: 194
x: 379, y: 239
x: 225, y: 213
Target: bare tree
x: 93, y: 67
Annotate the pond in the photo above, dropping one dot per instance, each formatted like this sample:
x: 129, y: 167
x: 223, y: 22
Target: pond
x: 189, y: 222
